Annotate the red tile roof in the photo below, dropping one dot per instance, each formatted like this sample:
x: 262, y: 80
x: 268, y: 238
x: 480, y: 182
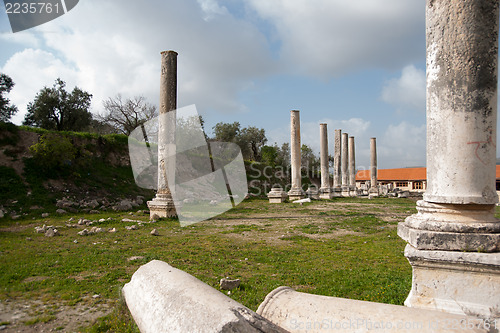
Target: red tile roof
x: 402, y: 174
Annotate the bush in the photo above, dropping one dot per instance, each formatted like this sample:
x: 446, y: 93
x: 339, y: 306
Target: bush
x: 53, y: 152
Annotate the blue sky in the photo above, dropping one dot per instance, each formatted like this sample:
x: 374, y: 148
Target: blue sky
x: 356, y: 65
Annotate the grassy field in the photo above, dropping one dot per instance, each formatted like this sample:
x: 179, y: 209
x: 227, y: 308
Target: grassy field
x: 342, y: 247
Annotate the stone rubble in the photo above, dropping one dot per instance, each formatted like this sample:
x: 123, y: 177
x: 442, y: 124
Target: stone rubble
x: 228, y: 284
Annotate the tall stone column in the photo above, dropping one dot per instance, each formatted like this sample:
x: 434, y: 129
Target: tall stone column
x: 163, y: 205
x: 352, y: 167
x: 296, y: 191
x: 325, y: 191
x: 337, y: 164
x: 373, y: 190
x: 345, y: 164
x: 454, y: 239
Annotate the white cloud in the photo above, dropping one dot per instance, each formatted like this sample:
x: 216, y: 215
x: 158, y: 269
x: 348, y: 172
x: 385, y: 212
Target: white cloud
x: 332, y: 37
x: 402, y: 145
x: 212, y: 9
x: 25, y: 38
x: 406, y: 92
x: 31, y: 70
x: 108, y: 49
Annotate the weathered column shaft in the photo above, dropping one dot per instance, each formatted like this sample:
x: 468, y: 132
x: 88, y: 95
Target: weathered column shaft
x: 454, y: 239
x: 352, y: 164
x: 323, y: 137
x: 373, y: 162
x: 295, y: 148
x: 296, y: 191
x: 166, y: 125
x: 337, y: 160
x: 461, y: 101
x: 345, y: 160
x: 163, y: 205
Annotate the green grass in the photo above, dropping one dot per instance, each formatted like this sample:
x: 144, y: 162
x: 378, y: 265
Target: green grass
x: 309, y: 255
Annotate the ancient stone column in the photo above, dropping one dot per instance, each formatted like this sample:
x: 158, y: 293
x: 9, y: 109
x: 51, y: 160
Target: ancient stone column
x: 373, y: 191
x: 325, y: 191
x: 337, y: 163
x: 345, y: 164
x: 454, y: 239
x: 352, y: 167
x: 296, y: 191
x: 163, y: 205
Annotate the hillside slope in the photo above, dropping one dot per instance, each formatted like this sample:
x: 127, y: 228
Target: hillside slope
x: 38, y: 168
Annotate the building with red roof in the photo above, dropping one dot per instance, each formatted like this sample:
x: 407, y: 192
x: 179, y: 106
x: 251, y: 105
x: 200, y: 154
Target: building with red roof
x: 412, y: 179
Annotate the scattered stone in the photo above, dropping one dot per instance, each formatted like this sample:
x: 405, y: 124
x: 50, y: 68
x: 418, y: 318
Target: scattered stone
x: 71, y: 219
x: 65, y: 203
x: 35, y: 207
x: 132, y: 227
x: 300, y: 201
x: 129, y: 220
x: 15, y: 217
x: 135, y: 258
x: 102, y: 220
x: 2, y: 214
x: 81, y: 222
x: 213, y: 202
x: 96, y: 296
x: 112, y: 230
x: 61, y: 211
x: 93, y: 211
x: 75, y: 241
x: 403, y: 194
x: 29, y: 239
x: 227, y: 284
x: 123, y: 205
x: 51, y: 232
x: 95, y: 230
x: 41, y: 230
x: 93, y: 204
x: 84, y: 232
x: 155, y: 232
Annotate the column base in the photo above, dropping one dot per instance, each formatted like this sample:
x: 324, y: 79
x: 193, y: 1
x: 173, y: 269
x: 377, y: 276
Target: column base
x: 345, y: 191
x: 466, y: 283
x: 448, y: 227
x: 325, y: 193
x: 277, y: 195
x: 162, y: 206
x: 296, y: 194
x: 337, y: 192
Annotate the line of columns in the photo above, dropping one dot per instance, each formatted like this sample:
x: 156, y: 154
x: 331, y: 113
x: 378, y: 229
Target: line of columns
x: 344, y: 178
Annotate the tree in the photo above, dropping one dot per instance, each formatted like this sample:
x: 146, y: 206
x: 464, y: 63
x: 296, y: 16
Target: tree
x: 6, y: 110
x: 310, y: 161
x: 251, y: 140
x: 56, y: 109
x: 226, y: 132
x: 127, y: 115
x: 269, y: 154
x: 283, y: 157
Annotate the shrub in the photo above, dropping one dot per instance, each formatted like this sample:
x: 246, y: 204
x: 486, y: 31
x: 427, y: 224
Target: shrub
x: 53, y: 152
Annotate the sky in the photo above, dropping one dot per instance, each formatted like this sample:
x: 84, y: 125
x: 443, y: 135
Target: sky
x: 358, y: 65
